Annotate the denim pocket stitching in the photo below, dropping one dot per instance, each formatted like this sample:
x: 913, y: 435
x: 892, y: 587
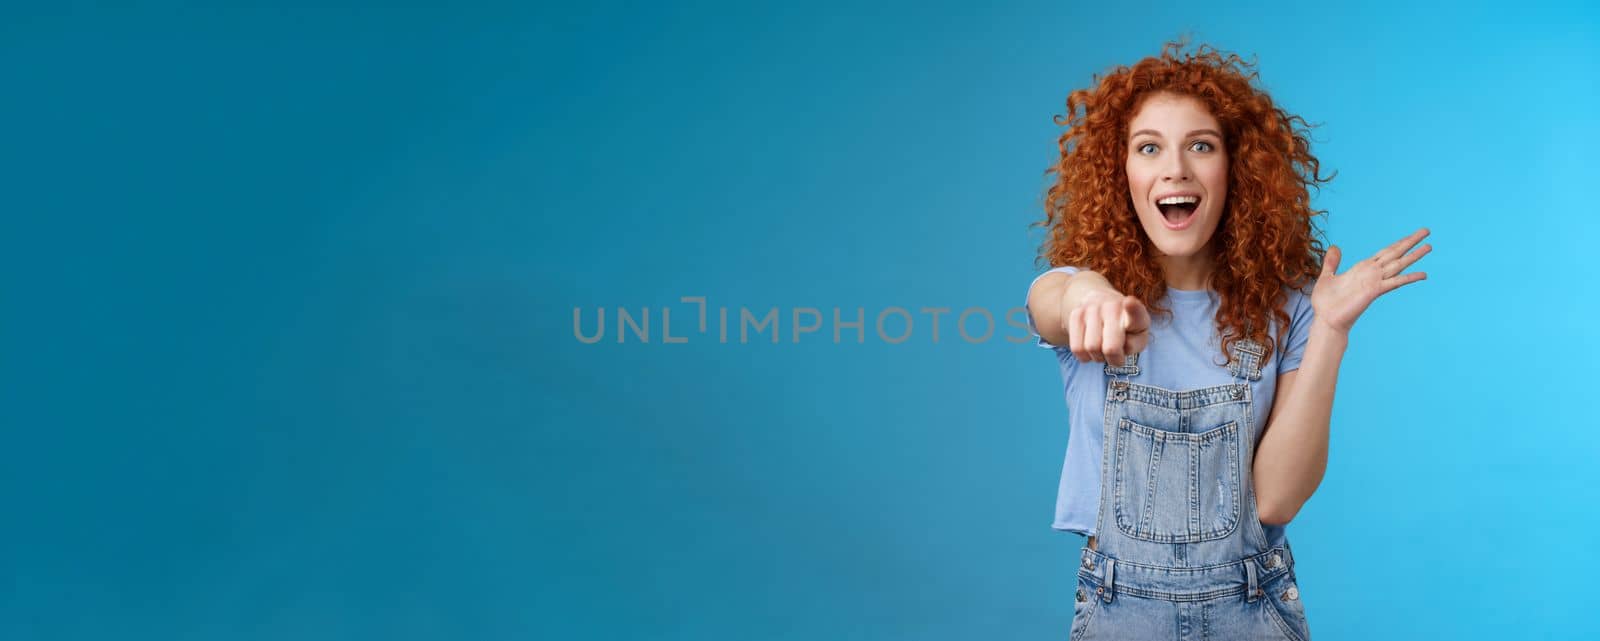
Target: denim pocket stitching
x: 1228, y: 433
x: 1275, y: 607
x: 1091, y: 606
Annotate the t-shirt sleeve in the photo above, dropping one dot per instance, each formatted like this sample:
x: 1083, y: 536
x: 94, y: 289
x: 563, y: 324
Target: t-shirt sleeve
x: 1300, y: 316
x: 1033, y: 328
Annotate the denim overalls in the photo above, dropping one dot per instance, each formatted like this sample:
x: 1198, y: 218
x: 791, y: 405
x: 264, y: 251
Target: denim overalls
x: 1181, y: 553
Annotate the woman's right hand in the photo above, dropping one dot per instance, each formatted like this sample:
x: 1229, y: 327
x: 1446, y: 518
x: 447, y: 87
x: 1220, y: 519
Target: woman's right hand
x: 1105, y: 326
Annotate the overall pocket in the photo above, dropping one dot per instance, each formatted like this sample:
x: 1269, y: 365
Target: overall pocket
x: 1085, y: 603
x: 1284, y: 606
x: 1176, y: 487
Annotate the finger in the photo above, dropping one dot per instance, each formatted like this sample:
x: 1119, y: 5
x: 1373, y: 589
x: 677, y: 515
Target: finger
x: 1405, y: 244
x: 1401, y: 281
x: 1137, y: 342
x: 1093, y: 333
x: 1408, y: 259
x: 1112, y: 345
x: 1330, y: 261
x: 1135, y: 317
x: 1075, y: 335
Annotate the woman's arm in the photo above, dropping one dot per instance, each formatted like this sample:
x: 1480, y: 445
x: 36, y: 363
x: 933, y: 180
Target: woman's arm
x: 1053, y: 295
x: 1084, y: 312
x: 1293, y: 453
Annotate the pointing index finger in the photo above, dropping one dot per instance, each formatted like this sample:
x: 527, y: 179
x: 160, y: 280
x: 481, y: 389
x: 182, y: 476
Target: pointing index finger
x: 1136, y: 318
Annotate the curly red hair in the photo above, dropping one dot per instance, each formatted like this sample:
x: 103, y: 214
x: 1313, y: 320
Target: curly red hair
x: 1266, y: 240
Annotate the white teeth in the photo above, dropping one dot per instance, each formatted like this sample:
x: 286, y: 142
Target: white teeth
x: 1174, y: 200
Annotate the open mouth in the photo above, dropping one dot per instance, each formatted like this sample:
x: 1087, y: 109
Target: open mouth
x: 1178, y: 210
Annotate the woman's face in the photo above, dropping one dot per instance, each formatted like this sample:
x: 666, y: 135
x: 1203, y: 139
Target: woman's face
x: 1175, y: 148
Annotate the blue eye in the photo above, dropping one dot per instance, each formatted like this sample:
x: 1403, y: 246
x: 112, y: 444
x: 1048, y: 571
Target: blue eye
x: 1148, y: 144
x: 1202, y: 142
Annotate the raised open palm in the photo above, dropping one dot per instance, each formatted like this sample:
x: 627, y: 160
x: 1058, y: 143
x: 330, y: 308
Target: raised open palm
x: 1339, y: 299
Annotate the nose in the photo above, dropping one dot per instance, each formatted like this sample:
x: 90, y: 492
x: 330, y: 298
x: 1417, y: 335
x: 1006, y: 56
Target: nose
x: 1176, y: 169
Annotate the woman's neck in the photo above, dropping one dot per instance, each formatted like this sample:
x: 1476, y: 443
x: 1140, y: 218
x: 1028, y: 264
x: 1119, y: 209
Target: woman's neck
x: 1187, y: 272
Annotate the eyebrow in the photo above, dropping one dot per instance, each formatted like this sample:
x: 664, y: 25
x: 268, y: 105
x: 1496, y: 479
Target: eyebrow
x: 1188, y: 135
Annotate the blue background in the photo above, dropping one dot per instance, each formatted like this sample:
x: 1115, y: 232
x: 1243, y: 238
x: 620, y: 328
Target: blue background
x: 288, y: 345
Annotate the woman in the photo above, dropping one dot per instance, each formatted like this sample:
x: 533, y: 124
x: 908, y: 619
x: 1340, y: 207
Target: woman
x: 1189, y: 270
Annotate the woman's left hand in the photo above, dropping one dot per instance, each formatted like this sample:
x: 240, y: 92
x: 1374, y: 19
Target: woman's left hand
x: 1339, y: 299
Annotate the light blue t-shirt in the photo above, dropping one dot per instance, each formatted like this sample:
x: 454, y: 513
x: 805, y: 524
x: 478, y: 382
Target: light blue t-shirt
x: 1184, y: 353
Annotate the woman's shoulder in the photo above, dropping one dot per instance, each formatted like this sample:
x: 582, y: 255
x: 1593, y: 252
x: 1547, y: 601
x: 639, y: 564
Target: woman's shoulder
x: 1297, y: 306
x: 1298, y: 298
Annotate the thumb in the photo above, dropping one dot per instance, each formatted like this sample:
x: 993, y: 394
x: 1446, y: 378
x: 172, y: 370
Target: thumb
x: 1330, y: 261
x: 1135, y: 318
